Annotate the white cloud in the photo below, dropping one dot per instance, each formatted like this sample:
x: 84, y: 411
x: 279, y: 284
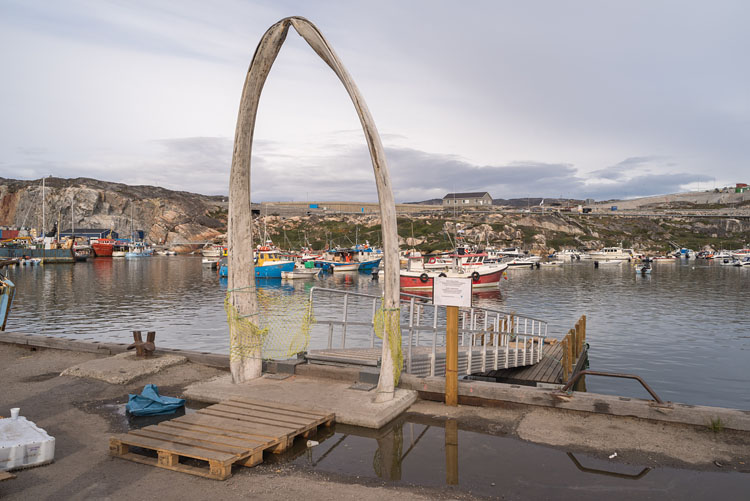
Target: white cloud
x: 611, y: 99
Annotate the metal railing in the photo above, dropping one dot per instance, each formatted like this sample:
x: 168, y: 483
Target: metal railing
x: 489, y: 339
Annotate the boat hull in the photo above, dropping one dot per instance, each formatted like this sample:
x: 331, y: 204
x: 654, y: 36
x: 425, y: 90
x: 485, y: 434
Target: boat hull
x: 370, y: 264
x: 46, y: 255
x: 7, y: 292
x: 267, y: 271
x: 273, y: 270
x: 415, y: 281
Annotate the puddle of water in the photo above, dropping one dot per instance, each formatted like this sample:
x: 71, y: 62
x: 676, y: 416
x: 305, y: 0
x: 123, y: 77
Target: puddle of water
x: 412, y: 453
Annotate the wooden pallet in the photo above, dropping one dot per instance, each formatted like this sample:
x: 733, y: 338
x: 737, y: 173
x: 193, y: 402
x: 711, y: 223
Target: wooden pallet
x: 237, y: 431
x: 4, y: 475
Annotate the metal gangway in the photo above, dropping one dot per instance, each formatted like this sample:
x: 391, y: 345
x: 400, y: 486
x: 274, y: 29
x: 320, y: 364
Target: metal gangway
x: 343, y: 333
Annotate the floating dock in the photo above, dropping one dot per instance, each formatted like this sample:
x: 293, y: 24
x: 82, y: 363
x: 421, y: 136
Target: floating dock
x: 427, y: 361
x: 208, y: 442
x: 561, y: 362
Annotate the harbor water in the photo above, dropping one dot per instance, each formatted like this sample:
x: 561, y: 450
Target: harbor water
x: 684, y: 329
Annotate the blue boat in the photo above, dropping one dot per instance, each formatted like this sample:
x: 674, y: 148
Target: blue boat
x: 7, y: 291
x: 367, y: 257
x: 269, y: 263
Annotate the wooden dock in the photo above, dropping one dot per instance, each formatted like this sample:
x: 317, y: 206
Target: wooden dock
x: 560, y: 362
x: 419, y: 360
x: 208, y: 442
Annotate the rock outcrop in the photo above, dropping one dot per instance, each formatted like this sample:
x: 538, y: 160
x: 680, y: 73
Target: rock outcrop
x: 167, y: 217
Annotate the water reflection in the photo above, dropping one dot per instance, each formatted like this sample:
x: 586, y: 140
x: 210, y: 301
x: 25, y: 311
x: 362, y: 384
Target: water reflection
x: 416, y: 448
x: 675, y: 323
x: 451, y: 452
x: 599, y: 471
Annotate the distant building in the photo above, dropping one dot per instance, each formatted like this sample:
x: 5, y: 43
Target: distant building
x: 741, y: 188
x: 475, y: 199
x: 90, y: 233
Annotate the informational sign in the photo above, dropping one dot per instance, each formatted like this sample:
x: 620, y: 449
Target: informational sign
x: 452, y: 291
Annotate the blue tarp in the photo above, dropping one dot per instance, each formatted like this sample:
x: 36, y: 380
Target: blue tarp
x: 150, y: 403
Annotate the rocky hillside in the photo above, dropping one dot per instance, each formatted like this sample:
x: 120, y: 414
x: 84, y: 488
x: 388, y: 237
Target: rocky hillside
x: 174, y: 218
x: 166, y: 217
x: 540, y: 233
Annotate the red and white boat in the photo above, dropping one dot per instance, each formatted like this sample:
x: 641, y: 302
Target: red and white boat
x: 482, y: 277
x: 103, y: 247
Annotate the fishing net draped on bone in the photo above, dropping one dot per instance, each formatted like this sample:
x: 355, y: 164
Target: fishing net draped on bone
x: 279, y: 329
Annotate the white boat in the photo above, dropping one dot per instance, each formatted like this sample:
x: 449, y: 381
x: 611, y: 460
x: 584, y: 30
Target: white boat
x: 568, y: 255
x: 550, y: 264
x: 522, y: 262
x: 212, y: 250
x: 484, y: 276
x: 609, y: 253
x: 139, y: 249
x: 300, y: 272
x: 744, y: 262
x: 210, y: 262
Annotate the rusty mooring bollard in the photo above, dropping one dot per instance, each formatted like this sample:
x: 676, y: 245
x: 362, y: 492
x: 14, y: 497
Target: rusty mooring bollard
x: 143, y: 349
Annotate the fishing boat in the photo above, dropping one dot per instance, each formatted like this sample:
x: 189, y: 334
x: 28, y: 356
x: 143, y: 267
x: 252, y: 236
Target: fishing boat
x: 416, y: 277
x: 270, y: 263
x: 119, y: 249
x: 485, y: 276
x: 337, y: 260
x: 82, y: 252
x: 212, y: 250
x: 103, y: 247
x: 568, y: 255
x: 302, y: 271
x: 611, y: 253
x: 743, y: 262
x: 139, y: 249
x: 367, y: 257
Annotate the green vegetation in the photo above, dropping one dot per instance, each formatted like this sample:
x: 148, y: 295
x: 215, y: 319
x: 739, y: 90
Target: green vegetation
x: 716, y: 425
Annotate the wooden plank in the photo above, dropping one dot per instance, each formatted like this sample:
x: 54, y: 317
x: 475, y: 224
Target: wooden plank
x: 229, y: 424
x: 281, y: 428
x: 188, y: 441
x: 177, y: 448
x: 250, y: 439
x: 202, y: 437
x: 183, y: 468
x: 278, y: 417
x: 279, y: 412
x: 4, y: 475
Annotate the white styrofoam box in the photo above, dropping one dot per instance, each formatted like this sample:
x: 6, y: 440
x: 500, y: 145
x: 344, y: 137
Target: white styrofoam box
x: 22, y: 444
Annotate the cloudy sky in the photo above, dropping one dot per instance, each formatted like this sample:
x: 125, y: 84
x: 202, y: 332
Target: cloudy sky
x: 542, y: 98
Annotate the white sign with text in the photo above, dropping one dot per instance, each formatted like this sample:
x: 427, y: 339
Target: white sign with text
x: 452, y: 291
